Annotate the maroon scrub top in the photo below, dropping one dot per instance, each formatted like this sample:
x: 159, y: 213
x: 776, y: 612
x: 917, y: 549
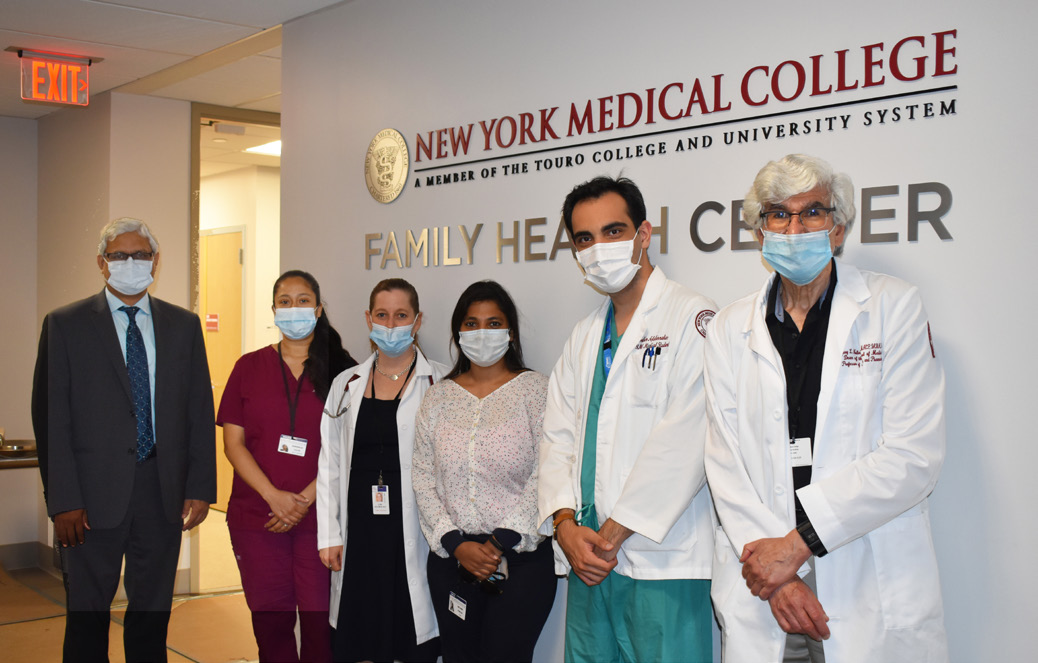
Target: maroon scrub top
x: 255, y: 399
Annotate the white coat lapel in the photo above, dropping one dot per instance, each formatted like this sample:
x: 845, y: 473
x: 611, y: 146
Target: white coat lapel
x: 637, y: 328
x: 756, y: 327
x: 356, y: 387
x: 848, y: 303
x: 591, y: 349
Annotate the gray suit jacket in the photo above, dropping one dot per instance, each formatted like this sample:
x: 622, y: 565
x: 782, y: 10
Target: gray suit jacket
x: 84, y: 420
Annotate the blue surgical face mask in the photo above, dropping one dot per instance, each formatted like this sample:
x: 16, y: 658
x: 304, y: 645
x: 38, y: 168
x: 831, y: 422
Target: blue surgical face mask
x: 393, y: 341
x: 801, y: 257
x: 296, y: 323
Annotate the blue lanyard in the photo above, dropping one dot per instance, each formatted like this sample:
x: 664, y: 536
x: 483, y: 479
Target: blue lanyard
x: 607, y: 342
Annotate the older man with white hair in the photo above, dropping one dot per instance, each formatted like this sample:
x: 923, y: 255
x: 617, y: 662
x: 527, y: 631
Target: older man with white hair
x: 122, y: 407
x: 827, y: 435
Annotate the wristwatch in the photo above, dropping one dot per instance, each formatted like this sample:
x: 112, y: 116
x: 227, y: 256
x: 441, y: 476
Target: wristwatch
x: 559, y: 519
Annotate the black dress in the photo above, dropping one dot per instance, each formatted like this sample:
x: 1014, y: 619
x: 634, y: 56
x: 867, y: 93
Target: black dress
x: 375, y: 620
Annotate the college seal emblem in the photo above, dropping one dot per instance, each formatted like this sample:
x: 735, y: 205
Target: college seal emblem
x: 386, y: 165
x: 702, y: 320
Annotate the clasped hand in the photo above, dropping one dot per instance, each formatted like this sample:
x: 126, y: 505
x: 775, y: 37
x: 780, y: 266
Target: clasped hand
x: 479, y: 559
x: 770, y: 569
x: 797, y: 610
x: 767, y: 564
x: 287, y: 510
x: 591, y: 554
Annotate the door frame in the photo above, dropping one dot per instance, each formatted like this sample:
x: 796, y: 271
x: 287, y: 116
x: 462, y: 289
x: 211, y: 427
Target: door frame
x: 198, y: 111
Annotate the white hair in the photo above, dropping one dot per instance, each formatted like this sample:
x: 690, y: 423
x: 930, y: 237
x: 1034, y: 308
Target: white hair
x: 122, y: 225
x: 794, y: 174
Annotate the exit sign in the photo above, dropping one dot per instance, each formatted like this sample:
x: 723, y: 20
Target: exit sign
x: 55, y: 78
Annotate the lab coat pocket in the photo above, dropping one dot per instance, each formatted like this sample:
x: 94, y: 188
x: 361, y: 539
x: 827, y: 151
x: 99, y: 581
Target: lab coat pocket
x: 906, y: 570
x: 647, y: 374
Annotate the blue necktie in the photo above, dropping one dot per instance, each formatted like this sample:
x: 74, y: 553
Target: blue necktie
x: 140, y: 385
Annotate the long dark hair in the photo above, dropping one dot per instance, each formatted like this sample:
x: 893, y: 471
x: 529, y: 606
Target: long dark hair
x: 487, y: 291
x: 326, y: 357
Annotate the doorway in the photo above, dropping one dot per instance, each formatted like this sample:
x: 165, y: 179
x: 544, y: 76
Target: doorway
x: 220, y: 305
x: 236, y: 210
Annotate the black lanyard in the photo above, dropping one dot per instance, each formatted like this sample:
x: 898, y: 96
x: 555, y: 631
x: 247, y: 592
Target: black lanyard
x: 292, y: 405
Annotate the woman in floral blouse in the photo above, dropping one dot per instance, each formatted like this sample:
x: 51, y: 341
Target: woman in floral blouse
x: 474, y: 472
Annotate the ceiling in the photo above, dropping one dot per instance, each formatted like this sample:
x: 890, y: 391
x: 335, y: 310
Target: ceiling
x: 221, y: 52
x: 222, y: 146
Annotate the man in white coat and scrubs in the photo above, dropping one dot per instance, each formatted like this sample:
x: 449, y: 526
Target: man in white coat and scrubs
x: 621, y: 479
x: 826, y: 403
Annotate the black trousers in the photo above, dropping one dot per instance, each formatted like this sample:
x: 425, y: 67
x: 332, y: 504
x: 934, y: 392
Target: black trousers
x: 496, y: 628
x: 151, y: 546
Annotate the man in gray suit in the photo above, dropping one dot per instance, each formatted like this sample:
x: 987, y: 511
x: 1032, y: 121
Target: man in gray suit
x: 123, y: 414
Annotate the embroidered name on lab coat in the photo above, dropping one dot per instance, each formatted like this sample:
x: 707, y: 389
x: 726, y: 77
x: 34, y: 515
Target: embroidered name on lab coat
x: 655, y: 341
x: 868, y: 353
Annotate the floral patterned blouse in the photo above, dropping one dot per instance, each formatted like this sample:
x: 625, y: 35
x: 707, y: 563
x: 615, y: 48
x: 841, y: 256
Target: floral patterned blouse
x: 475, y: 460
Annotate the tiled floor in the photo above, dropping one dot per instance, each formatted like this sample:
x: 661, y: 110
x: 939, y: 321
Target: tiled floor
x: 215, y: 628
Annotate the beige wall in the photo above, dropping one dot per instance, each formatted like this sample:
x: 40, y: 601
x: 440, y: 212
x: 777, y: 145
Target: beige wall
x: 149, y: 178
x: 73, y: 202
x: 124, y: 155
x: 19, y: 330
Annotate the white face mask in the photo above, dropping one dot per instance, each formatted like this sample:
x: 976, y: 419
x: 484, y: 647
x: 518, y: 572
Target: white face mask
x: 130, y: 277
x: 607, y: 265
x: 484, y: 347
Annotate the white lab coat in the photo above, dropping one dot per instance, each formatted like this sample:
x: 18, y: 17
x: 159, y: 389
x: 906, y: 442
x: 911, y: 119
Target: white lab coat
x: 651, y: 434
x: 333, y: 478
x: 878, y: 450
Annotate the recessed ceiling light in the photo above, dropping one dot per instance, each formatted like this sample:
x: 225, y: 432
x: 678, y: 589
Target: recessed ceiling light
x: 271, y: 149
x: 219, y: 140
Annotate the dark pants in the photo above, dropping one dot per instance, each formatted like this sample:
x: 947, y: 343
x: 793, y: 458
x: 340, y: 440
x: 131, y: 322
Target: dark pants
x: 495, y: 628
x: 151, y: 545
x: 281, y: 573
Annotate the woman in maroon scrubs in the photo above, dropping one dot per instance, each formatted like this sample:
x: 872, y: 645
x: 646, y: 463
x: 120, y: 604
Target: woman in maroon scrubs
x: 271, y: 416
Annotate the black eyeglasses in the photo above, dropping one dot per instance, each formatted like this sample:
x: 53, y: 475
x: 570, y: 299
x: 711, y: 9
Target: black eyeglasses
x: 812, y: 218
x: 119, y: 256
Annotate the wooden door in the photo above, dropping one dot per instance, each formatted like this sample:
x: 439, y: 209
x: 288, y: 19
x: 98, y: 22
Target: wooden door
x: 220, y: 305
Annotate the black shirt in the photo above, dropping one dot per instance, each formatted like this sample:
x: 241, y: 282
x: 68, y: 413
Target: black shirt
x: 802, y: 352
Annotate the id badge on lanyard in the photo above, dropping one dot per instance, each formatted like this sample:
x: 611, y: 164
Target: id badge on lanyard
x: 607, y: 341
x: 290, y: 444
x: 380, y: 500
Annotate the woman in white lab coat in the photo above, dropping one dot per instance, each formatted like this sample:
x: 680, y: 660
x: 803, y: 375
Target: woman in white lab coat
x: 368, y: 532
